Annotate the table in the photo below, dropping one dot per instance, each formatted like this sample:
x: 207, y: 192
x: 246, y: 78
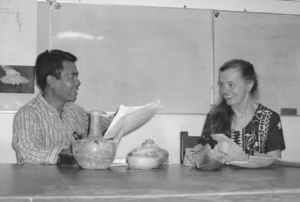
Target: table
x: 169, y: 183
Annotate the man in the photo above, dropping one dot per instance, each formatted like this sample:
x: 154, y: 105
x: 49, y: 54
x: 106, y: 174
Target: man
x: 45, y: 126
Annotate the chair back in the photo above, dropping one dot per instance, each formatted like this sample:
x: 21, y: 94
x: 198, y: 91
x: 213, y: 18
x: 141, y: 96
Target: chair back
x: 187, y: 141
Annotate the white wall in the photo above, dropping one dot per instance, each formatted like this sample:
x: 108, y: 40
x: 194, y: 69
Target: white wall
x: 290, y: 125
x: 7, y: 154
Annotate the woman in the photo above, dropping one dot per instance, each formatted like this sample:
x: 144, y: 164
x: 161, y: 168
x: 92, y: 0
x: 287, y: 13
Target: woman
x: 249, y: 124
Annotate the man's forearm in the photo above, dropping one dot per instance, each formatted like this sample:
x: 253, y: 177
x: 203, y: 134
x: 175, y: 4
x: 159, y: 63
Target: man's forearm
x: 36, y: 156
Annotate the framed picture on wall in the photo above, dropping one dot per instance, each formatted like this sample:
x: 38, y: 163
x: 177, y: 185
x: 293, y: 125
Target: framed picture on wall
x: 17, y: 79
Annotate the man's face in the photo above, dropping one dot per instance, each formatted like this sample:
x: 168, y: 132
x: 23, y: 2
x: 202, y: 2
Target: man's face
x: 66, y: 88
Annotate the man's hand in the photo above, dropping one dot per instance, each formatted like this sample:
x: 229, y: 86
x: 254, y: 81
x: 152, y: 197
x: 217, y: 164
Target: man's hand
x: 66, y: 151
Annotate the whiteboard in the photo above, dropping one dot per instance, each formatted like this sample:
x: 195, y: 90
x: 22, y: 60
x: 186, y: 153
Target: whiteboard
x: 271, y: 43
x: 135, y: 55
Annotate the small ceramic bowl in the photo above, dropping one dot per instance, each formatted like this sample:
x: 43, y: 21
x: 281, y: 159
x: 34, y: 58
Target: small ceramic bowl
x: 142, y: 163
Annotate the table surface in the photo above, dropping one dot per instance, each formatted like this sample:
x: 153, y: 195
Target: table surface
x: 169, y: 183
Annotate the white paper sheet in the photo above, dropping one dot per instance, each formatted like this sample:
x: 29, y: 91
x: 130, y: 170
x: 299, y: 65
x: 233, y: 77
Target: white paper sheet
x: 132, y: 117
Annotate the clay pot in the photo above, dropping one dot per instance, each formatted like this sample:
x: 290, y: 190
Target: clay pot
x: 148, y: 156
x: 95, y: 152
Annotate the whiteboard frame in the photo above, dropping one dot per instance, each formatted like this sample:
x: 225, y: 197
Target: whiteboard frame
x: 260, y: 6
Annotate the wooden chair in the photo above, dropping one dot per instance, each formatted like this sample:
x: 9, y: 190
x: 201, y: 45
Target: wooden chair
x: 187, y: 141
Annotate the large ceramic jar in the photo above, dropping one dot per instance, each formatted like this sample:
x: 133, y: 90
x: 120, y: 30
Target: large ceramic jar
x: 95, y: 152
x: 147, y: 156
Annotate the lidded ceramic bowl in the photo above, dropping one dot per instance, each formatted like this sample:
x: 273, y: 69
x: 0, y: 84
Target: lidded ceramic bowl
x: 147, y: 156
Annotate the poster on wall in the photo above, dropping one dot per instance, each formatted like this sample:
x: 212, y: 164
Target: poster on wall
x: 18, y: 43
x: 17, y: 79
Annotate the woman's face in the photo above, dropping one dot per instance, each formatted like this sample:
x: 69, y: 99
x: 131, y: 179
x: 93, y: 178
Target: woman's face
x: 234, y: 88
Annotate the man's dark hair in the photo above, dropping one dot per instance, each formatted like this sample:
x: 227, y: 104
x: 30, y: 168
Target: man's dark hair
x: 51, y: 63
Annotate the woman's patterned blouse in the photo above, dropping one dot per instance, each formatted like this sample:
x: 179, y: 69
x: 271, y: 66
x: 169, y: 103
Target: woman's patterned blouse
x: 262, y: 134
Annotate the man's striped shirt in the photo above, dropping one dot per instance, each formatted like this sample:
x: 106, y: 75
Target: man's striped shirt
x: 40, y: 133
